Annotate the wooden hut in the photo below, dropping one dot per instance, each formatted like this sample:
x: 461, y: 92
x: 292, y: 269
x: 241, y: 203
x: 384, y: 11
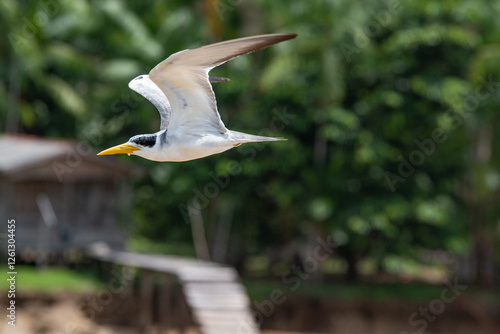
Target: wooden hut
x: 61, y: 190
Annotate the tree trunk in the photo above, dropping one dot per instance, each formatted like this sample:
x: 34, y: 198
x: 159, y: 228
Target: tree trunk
x: 481, y: 205
x: 352, y: 269
x: 482, y: 251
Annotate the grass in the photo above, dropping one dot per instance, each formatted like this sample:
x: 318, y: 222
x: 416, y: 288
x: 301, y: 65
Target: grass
x: 416, y: 292
x: 144, y: 245
x: 52, y: 279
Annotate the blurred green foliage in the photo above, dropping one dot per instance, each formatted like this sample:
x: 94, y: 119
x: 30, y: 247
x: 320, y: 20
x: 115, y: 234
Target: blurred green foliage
x: 379, y: 292
x: 389, y: 108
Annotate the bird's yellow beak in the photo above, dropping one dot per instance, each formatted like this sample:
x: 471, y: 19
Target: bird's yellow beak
x: 120, y: 149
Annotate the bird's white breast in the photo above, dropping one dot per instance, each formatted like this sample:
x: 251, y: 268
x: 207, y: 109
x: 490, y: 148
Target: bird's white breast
x: 189, y: 147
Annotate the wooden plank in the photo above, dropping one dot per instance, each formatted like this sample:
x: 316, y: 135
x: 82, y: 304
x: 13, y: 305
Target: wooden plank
x: 213, y: 288
x: 239, y: 299
x: 244, y: 316
x: 217, y: 304
x: 207, y: 274
x: 209, y: 330
x: 242, y: 323
x: 217, y: 300
x: 227, y: 330
x: 167, y: 264
x: 214, y: 295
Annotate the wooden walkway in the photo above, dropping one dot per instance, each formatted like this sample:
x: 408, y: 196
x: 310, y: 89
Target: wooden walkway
x: 216, y: 299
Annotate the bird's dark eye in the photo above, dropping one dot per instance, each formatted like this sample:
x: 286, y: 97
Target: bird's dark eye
x: 148, y: 141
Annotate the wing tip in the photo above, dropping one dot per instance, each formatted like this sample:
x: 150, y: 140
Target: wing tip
x: 290, y: 35
x: 276, y: 38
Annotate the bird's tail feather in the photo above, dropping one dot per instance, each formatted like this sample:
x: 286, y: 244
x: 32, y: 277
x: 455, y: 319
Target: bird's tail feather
x: 241, y: 137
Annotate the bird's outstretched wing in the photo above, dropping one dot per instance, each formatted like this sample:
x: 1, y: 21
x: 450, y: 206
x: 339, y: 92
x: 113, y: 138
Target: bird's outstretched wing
x: 183, y: 78
x: 147, y: 88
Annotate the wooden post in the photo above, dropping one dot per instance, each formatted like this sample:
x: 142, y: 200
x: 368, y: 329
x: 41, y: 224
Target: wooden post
x: 184, y: 313
x: 146, y: 298
x: 48, y: 221
x: 165, y: 302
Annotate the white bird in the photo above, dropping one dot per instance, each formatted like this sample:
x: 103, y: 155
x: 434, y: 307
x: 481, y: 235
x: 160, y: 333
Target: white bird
x: 179, y: 87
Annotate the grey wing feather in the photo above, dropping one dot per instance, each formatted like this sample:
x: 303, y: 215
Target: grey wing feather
x: 218, y: 79
x: 213, y: 55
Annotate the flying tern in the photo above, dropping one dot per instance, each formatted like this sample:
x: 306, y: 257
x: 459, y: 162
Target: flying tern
x: 179, y: 87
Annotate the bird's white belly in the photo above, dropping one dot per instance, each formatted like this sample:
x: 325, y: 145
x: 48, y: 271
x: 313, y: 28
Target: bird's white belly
x: 190, y: 148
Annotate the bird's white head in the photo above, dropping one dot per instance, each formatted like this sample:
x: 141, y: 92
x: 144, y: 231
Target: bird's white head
x: 146, y: 146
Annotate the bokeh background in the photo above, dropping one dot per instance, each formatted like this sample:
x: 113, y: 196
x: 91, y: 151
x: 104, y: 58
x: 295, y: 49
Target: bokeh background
x: 390, y: 111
